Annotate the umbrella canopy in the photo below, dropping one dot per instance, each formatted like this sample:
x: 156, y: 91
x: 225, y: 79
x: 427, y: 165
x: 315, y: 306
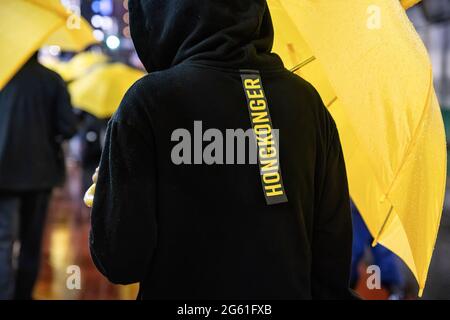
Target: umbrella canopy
x: 83, y: 63
x: 101, y: 90
x: 60, y: 67
x: 373, y: 72
x: 78, y: 66
x: 409, y: 3
x: 27, y: 25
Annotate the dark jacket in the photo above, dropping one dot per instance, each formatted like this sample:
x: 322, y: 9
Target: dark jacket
x: 35, y: 117
x: 206, y: 231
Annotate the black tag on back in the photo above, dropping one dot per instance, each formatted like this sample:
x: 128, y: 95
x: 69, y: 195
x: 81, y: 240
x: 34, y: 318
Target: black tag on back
x: 266, y: 138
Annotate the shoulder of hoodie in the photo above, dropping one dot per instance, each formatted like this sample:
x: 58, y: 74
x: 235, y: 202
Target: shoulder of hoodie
x: 137, y: 101
x: 317, y: 106
x: 145, y: 92
x: 325, y: 125
x: 142, y: 97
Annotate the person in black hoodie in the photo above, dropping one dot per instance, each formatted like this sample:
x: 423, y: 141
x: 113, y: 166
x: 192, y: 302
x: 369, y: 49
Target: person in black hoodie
x: 220, y: 231
x: 35, y: 117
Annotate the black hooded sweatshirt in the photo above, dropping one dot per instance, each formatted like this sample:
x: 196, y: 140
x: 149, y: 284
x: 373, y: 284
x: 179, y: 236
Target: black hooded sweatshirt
x: 206, y: 231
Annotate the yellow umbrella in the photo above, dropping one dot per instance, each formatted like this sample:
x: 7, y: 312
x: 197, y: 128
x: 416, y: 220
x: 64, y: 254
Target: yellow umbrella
x: 27, y: 25
x: 101, y: 90
x: 373, y: 72
x: 60, y: 67
x: 83, y: 63
x: 78, y: 66
x: 409, y: 3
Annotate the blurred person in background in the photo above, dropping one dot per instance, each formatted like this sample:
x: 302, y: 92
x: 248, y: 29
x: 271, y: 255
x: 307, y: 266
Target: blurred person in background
x: 92, y: 132
x: 35, y: 118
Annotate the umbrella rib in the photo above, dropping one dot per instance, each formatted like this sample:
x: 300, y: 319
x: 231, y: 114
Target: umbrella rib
x: 302, y: 64
x: 331, y: 102
x: 375, y: 241
x: 413, y: 137
x: 408, y: 151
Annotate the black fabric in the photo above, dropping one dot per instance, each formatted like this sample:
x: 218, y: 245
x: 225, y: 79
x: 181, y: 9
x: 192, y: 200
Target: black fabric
x: 231, y: 34
x: 35, y: 117
x: 23, y: 215
x: 33, y: 213
x: 205, y: 231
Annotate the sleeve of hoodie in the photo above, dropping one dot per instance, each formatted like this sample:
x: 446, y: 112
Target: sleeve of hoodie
x: 123, y: 223
x: 332, y: 233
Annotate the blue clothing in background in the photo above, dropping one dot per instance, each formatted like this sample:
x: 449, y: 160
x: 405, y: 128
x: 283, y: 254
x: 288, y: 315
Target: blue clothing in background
x: 382, y: 257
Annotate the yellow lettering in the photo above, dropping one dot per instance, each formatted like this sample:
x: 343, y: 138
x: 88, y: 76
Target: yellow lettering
x: 265, y: 140
x: 258, y: 105
x: 275, y: 190
x: 260, y: 117
x: 269, y: 165
x: 251, y: 84
x: 255, y: 94
x: 271, y: 178
x: 262, y: 129
x: 269, y: 152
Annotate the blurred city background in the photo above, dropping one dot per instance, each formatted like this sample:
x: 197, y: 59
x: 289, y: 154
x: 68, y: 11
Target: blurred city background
x: 66, y: 231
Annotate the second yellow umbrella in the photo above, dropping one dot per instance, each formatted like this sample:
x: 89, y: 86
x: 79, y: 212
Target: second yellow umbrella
x: 101, y: 90
x: 78, y: 66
